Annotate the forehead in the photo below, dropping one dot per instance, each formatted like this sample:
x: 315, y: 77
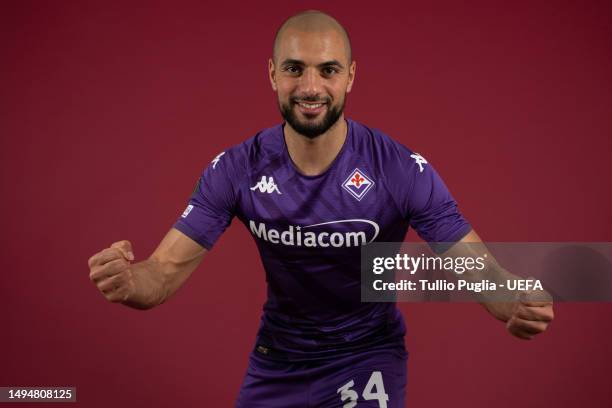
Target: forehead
x: 312, y: 47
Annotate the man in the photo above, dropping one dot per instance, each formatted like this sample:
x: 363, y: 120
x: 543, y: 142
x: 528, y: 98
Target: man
x: 312, y: 191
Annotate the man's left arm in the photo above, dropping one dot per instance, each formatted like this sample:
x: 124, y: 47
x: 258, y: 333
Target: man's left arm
x: 424, y: 199
x: 528, y: 315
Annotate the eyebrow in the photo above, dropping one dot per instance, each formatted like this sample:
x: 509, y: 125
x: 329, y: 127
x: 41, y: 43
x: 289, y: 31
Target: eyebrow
x: 321, y: 65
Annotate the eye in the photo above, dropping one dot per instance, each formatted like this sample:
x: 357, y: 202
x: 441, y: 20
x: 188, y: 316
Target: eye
x: 293, y: 69
x: 329, y: 71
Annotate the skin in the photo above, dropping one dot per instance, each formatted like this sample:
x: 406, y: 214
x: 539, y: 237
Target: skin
x: 149, y: 283
x: 300, y: 68
x: 312, y: 61
x: 530, y: 313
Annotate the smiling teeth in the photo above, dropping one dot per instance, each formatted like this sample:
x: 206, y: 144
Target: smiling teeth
x: 311, y: 106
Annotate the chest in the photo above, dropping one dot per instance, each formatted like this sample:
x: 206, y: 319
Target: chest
x: 347, y: 206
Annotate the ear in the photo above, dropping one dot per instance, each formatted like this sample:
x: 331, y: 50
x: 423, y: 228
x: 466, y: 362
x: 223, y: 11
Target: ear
x: 272, y: 73
x: 352, y: 69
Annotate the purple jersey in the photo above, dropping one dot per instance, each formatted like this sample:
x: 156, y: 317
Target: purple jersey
x: 309, y: 230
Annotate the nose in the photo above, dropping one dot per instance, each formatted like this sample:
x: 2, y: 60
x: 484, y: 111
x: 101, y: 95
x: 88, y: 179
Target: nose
x: 310, y: 83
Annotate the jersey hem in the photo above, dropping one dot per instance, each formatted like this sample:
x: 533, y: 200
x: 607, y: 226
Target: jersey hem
x: 187, y: 230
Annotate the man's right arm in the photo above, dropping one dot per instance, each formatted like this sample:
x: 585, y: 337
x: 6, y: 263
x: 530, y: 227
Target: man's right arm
x: 149, y: 283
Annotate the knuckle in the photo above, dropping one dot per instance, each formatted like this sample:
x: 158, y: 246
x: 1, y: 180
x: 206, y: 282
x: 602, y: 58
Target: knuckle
x: 118, y: 280
x: 98, y: 272
x: 102, y: 285
x: 117, y: 296
x: 104, y: 257
x: 110, y: 294
x: 120, y: 262
x: 116, y: 266
x: 122, y: 265
x: 111, y: 281
x: 512, y: 326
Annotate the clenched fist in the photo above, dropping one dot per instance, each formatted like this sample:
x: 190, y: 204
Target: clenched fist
x: 110, y: 271
x: 531, y: 315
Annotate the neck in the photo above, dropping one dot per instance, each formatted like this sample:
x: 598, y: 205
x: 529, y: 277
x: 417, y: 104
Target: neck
x: 313, y: 156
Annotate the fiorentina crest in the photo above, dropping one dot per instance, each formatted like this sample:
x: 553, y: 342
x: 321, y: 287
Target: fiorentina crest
x: 358, y: 184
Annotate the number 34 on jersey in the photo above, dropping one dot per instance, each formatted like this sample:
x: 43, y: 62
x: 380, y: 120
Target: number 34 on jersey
x: 374, y: 390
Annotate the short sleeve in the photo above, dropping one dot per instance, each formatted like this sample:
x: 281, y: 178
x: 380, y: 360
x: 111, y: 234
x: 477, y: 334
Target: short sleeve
x: 211, y: 207
x: 424, y: 199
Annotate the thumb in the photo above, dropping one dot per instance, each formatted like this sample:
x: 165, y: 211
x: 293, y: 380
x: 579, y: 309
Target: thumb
x: 534, y: 297
x: 126, y: 249
x: 510, y: 321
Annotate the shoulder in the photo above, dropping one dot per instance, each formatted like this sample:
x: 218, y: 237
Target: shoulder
x: 265, y: 145
x: 384, y: 152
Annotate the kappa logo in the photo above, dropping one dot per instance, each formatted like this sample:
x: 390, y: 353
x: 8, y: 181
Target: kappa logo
x: 358, y: 184
x: 215, y: 161
x: 420, y: 160
x: 266, y: 185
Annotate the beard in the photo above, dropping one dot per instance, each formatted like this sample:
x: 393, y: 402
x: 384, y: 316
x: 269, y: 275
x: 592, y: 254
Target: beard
x: 311, y: 129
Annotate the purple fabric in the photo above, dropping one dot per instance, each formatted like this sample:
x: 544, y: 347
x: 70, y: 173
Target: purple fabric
x: 309, y: 230
x: 330, y: 384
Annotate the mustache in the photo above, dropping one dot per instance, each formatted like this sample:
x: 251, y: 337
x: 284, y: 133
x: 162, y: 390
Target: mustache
x: 310, y: 98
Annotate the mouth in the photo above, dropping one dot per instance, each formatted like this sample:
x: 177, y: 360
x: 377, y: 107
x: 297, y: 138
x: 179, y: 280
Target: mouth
x: 311, y: 108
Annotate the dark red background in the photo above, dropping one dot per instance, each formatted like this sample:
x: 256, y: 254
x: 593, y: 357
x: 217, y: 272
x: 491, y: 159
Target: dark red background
x: 110, y: 111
